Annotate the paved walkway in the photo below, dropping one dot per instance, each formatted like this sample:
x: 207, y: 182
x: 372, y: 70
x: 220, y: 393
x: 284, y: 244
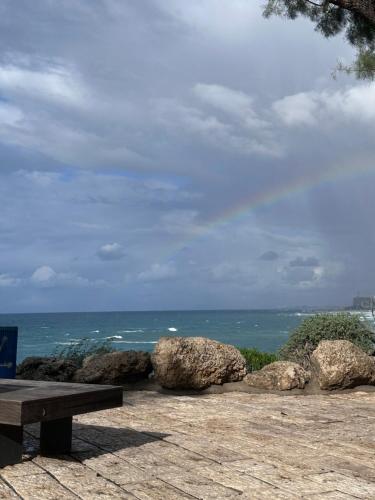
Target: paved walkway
x: 232, y: 445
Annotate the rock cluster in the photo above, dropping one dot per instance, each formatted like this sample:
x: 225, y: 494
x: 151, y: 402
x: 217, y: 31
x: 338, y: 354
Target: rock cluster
x: 115, y: 368
x: 196, y: 363
x: 280, y: 376
x: 49, y: 369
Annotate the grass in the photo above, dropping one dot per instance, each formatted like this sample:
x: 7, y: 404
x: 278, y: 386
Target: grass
x: 255, y: 359
x: 80, y: 350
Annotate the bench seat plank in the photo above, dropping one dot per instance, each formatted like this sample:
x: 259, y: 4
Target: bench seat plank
x: 27, y: 401
x: 53, y: 404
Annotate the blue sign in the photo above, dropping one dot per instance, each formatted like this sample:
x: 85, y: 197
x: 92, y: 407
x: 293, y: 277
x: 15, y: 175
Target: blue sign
x: 8, y: 351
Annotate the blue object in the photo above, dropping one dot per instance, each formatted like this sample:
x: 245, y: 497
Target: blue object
x: 8, y: 351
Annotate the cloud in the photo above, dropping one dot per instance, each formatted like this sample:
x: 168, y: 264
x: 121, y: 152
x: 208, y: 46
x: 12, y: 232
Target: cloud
x: 9, y: 281
x: 158, y: 272
x: 232, y: 102
x: 239, y: 274
x: 246, y: 136
x: 304, y: 262
x: 111, y: 251
x: 302, y: 276
x: 214, y: 19
x: 53, y: 83
x: 326, y: 107
x: 45, y: 276
x: 269, y: 255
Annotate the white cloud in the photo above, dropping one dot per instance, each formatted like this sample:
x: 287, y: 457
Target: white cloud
x: 111, y: 251
x: 10, y: 115
x: 232, y: 102
x: 158, y: 272
x: 214, y: 18
x: 53, y: 83
x: 328, y: 107
x: 45, y: 276
x: 298, y: 109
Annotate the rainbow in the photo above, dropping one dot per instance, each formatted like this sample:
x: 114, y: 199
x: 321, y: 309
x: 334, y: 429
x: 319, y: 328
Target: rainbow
x: 270, y: 197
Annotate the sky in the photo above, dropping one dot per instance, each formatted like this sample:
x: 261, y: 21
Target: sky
x: 164, y: 154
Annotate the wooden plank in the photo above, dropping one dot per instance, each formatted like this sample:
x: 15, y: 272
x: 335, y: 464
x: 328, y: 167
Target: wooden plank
x: 24, y: 402
x: 51, y: 408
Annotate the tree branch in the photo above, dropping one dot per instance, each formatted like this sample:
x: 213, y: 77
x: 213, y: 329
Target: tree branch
x: 365, y: 8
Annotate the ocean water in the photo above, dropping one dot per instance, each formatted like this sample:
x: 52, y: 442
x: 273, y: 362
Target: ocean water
x: 42, y: 334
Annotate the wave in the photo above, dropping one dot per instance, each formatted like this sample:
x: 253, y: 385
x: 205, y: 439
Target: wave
x: 66, y: 343
x: 95, y: 331
x: 130, y: 331
x: 135, y: 342
x: 114, y: 337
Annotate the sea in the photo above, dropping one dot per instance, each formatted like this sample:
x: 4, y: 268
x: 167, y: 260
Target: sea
x: 48, y: 333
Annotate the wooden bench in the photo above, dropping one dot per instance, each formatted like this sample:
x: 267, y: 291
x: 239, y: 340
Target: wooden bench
x: 53, y: 404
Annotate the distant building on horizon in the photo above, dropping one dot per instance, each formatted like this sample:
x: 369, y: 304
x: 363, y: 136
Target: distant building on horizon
x: 363, y: 303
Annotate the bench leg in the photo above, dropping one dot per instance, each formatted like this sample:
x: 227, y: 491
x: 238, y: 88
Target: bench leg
x: 56, y: 436
x: 11, y: 437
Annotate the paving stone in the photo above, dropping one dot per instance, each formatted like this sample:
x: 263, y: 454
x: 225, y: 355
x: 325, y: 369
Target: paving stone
x: 231, y: 445
x: 357, y: 487
x: 40, y: 487
x: 156, y: 490
x: 6, y: 492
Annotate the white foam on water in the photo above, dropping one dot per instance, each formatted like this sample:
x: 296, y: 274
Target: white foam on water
x: 114, y: 337
x: 66, y: 343
x: 172, y: 329
x: 134, y: 342
x: 95, y: 331
x: 130, y: 331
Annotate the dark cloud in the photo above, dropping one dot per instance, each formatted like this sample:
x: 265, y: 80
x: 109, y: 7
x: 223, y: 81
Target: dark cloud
x: 269, y: 255
x: 304, y: 262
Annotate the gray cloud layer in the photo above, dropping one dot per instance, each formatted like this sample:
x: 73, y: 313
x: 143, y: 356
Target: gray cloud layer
x: 155, y: 155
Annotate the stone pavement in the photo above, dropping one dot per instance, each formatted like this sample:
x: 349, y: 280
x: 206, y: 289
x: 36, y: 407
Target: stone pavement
x: 231, y: 445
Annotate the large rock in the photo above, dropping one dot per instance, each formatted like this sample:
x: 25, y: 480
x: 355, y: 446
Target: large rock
x: 339, y: 364
x: 280, y: 376
x: 50, y: 369
x: 115, y: 368
x: 196, y: 363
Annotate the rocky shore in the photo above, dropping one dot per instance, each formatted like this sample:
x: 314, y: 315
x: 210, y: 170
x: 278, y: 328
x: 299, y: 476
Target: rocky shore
x: 201, y: 364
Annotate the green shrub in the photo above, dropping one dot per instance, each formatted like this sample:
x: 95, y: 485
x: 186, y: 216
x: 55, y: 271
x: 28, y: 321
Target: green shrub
x: 343, y: 326
x: 80, y: 350
x: 255, y: 359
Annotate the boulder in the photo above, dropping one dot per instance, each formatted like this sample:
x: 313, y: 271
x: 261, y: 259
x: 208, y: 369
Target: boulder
x: 49, y: 369
x: 115, y: 368
x: 339, y: 364
x: 196, y: 363
x: 280, y: 376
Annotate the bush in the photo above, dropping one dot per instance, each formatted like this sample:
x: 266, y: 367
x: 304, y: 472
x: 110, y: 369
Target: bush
x: 343, y: 326
x: 255, y: 360
x: 78, y: 351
